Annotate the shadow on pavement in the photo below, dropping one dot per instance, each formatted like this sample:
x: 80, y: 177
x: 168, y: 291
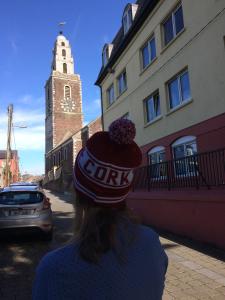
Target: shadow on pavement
x: 204, y: 248
x: 21, y: 251
x: 68, y: 197
x: 167, y: 246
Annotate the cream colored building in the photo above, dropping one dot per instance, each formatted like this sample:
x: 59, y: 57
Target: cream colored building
x: 165, y: 70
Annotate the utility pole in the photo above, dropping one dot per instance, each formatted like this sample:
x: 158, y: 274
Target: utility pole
x: 8, y: 151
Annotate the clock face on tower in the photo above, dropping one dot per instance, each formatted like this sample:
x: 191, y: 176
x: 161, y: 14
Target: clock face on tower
x: 68, y: 105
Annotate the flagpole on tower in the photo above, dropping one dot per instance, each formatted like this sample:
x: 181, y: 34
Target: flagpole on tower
x: 61, y: 24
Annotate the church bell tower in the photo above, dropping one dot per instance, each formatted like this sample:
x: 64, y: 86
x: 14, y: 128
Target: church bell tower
x: 63, y: 96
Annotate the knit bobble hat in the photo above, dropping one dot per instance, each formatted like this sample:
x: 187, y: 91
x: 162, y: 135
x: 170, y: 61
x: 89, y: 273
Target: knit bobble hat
x: 103, y: 170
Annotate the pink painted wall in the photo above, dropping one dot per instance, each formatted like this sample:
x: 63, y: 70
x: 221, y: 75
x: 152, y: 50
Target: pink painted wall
x: 199, y: 215
x: 210, y: 135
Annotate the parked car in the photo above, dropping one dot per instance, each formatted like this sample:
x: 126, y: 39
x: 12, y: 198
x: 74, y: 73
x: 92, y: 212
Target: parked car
x: 23, y: 183
x: 26, y: 207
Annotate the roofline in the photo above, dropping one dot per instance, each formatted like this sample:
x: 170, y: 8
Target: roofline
x: 127, y: 39
x: 91, y: 122
x: 70, y: 137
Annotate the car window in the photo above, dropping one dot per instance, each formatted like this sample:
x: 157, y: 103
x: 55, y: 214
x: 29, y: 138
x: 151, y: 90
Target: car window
x: 17, y: 198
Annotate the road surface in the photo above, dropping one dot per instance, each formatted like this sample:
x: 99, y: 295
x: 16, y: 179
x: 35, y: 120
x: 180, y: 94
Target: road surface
x: 191, y: 274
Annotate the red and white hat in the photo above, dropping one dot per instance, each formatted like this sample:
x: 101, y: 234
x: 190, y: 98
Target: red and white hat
x: 103, y: 170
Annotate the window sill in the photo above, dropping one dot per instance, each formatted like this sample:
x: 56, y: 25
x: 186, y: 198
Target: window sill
x: 120, y: 94
x: 148, y: 66
x: 172, y: 41
x: 153, y: 121
x: 109, y: 105
x: 180, y: 106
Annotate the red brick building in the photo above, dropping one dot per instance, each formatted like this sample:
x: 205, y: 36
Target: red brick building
x: 14, y: 166
x: 64, y: 130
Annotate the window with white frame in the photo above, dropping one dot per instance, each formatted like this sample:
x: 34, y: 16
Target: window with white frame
x: 183, y: 151
x: 127, y: 19
x: 173, y: 24
x: 179, y: 89
x: 148, y: 52
x: 122, y: 82
x: 110, y: 95
x: 67, y: 92
x: 156, y: 157
x: 106, y: 53
x: 105, y: 56
x: 152, y: 107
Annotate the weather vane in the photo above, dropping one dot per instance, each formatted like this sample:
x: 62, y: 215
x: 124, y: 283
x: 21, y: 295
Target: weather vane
x: 61, y: 24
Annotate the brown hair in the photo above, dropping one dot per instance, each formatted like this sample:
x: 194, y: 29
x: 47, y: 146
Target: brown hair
x: 97, y: 229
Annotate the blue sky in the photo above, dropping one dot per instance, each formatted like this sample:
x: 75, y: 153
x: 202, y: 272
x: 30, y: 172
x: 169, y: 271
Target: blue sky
x: 28, y: 29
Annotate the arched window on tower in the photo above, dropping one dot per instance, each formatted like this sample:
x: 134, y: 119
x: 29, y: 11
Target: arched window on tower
x: 63, y: 52
x: 62, y: 44
x: 67, y: 92
x: 65, y: 68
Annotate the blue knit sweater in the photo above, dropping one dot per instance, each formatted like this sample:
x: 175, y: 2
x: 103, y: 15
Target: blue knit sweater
x: 63, y: 275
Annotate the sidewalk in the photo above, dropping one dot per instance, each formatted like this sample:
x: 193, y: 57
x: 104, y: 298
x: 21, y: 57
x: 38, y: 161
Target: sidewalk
x: 192, y: 274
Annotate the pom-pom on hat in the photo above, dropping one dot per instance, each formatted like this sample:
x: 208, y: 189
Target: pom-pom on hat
x: 103, y: 170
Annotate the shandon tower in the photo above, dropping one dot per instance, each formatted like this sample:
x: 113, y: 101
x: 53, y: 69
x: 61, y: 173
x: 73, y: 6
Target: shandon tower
x: 63, y: 96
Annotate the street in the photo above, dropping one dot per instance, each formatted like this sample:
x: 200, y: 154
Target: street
x: 19, y: 257
x: 191, y: 274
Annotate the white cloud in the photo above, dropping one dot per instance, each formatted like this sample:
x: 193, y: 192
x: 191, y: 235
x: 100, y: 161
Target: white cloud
x: 14, y: 45
x: 92, y: 110
x: 34, y: 170
x: 30, y: 100
x: 76, y: 27
x: 105, y: 39
x: 30, y: 138
x: 97, y: 103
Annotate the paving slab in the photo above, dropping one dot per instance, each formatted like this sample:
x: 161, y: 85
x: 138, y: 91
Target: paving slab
x: 192, y: 274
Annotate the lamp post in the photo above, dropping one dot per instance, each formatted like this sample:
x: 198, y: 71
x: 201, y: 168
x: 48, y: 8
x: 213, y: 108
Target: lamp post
x: 8, y: 149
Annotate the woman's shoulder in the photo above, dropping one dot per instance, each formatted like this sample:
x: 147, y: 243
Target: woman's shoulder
x: 147, y: 233
x: 53, y: 260
x: 149, y: 239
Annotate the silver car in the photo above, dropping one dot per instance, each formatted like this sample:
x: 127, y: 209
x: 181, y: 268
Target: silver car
x: 26, y: 207
x: 23, y: 183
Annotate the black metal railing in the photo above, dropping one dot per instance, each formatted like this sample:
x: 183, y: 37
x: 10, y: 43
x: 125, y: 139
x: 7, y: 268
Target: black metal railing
x: 199, y: 170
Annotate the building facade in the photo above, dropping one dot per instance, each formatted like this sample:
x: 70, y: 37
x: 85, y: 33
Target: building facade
x: 63, y: 96
x: 65, y: 134
x: 14, y: 167
x: 165, y: 70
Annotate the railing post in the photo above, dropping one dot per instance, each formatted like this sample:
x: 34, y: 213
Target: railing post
x: 149, y: 177
x: 168, y: 176
x: 196, y: 172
